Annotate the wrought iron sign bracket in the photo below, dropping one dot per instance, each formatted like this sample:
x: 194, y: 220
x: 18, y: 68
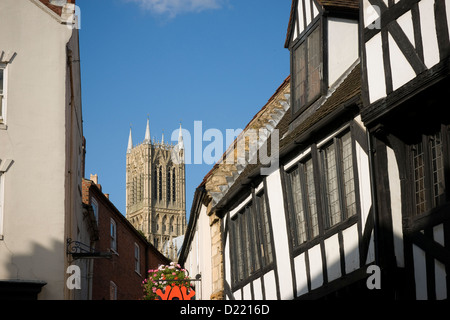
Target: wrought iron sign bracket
x: 79, y: 250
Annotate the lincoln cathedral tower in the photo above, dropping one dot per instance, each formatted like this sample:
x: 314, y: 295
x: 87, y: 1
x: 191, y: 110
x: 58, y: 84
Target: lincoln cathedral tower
x: 156, y: 191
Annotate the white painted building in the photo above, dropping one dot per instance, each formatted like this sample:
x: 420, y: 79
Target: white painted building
x: 41, y: 150
x: 405, y: 67
x: 357, y: 206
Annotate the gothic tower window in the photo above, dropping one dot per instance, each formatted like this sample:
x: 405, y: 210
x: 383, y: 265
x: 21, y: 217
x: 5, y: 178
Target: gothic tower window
x: 171, y: 225
x: 155, y: 183
x: 164, y: 227
x: 138, y: 193
x: 168, y: 185
x: 173, y: 186
x: 134, y: 190
x: 160, y: 184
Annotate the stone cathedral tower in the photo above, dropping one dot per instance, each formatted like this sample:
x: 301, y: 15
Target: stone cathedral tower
x: 156, y: 191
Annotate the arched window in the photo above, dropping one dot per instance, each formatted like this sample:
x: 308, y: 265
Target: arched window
x: 134, y: 190
x: 160, y: 184
x: 171, y: 230
x: 164, y: 227
x: 155, y: 184
x: 174, y: 185
x: 168, y: 185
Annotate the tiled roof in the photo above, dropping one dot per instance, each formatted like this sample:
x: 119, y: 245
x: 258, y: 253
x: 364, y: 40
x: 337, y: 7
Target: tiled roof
x: 224, y: 175
x: 347, y: 90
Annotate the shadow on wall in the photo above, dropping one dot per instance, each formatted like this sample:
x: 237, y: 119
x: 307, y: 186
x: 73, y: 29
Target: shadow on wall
x: 37, y: 273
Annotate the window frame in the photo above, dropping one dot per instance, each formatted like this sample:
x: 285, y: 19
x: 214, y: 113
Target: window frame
x: 430, y: 199
x: 247, y: 262
x: 3, y: 96
x: 343, y: 207
x: 305, y: 201
x: 298, y: 109
x: 94, y: 205
x: 112, y: 291
x: 137, y: 258
x: 314, y: 151
x: 113, y: 235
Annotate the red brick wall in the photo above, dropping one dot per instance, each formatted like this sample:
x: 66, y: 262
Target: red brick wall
x: 121, y: 267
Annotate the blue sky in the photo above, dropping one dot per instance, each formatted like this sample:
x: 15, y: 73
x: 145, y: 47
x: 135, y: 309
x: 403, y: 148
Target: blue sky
x: 215, y: 61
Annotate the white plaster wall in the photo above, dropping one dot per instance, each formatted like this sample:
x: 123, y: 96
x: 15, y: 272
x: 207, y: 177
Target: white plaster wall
x: 281, y: 244
x: 315, y: 267
x: 364, y: 183
x: 401, y: 70
x: 439, y: 268
x: 420, y: 273
x: 300, y: 274
x: 333, y: 257
x: 198, y: 260
x: 34, y: 213
x: 428, y: 27
x: 396, y: 206
x: 270, y: 286
x: 351, y: 248
x: 343, y: 48
x: 375, y: 69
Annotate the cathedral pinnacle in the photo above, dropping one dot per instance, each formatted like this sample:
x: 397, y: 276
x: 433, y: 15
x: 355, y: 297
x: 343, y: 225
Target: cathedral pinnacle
x: 147, y: 139
x: 180, y: 139
x: 130, y: 143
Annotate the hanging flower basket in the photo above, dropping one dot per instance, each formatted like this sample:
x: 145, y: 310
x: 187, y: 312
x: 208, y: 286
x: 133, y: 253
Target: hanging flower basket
x: 167, y: 278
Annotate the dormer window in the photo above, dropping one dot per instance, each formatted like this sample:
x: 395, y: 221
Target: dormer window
x: 307, y: 70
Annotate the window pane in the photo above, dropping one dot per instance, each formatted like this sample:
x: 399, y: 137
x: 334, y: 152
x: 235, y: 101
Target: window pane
x: 266, y: 241
x: 239, y: 251
x: 299, y: 214
x: 438, y: 167
x: 253, y: 228
x: 334, y: 212
x: 299, y: 77
x: 349, y: 184
x: 311, y: 191
x: 419, y: 178
x: 313, y: 65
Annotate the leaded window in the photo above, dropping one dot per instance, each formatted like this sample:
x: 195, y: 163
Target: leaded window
x: 303, y: 203
x: 307, y: 71
x: 250, y: 239
x: 337, y: 159
x: 428, y: 172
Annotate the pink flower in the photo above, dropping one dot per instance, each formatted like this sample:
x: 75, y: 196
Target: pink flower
x: 174, y: 273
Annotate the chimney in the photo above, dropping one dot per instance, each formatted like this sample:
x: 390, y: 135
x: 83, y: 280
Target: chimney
x: 94, y: 178
x: 107, y: 195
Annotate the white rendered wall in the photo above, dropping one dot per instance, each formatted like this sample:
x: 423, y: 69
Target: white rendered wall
x: 34, y: 244
x: 343, y: 46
